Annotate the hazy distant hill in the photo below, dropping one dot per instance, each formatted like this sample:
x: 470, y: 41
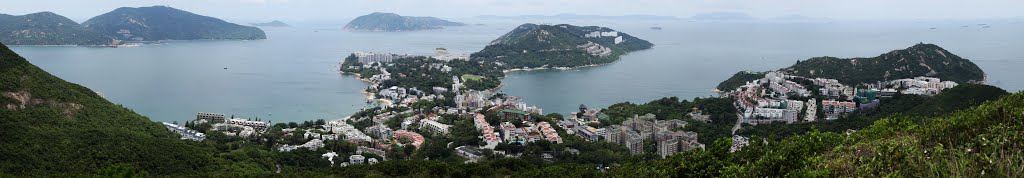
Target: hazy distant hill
x: 532, y: 45
x: 271, y: 24
x: 47, y: 28
x: 166, y: 23
x: 389, y: 22
x: 723, y: 16
x: 918, y: 60
x: 581, y: 17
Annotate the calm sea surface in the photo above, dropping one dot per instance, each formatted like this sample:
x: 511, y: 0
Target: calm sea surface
x: 293, y: 75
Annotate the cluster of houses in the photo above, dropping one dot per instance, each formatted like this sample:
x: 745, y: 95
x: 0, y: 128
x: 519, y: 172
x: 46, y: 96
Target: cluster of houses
x: 186, y: 133
x: 355, y: 159
x: 774, y: 97
x: 233, y: 126
x: 633, y: 132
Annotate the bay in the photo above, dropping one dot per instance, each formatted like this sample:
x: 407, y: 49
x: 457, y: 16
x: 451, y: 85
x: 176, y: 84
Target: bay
x: 292, y: 76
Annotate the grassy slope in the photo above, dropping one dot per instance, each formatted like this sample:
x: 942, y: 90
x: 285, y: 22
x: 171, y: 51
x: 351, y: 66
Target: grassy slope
x: 50, y: 137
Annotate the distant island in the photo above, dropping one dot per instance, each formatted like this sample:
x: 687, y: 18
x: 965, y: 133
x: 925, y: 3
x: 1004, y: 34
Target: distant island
x: 47, y: 28
x: 581, y: 17
x: 165, y: 23
x: 275, y: 23
x: 390, y: 22
x: 559, y: 46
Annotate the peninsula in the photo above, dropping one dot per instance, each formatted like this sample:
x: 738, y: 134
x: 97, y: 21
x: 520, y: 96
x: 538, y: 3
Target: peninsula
x: 47, y: 28
x: 165, y: 23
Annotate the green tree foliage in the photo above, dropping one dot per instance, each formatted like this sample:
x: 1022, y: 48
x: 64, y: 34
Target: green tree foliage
x: 739, y: 79
x: 918, y: 60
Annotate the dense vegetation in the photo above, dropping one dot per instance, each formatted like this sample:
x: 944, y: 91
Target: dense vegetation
x: 52, y: 127
x: 957, y: 98
x: 739, y: 79
x: 533, y: 46
x: 47, y: 28
x: 918, y: 60
x: 166, y: 23
x: 389, y: 22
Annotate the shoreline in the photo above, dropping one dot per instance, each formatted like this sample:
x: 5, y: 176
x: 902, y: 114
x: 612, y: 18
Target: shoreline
x: 369, y: 96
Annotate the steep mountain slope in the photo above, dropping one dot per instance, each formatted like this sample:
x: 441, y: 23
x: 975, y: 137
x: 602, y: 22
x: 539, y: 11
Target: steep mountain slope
x: 389, y: 22
x: 47, y: 28
x: 918, y: 60
x: 531, y: 45
x: 166, y: 23
x: 49, y: 127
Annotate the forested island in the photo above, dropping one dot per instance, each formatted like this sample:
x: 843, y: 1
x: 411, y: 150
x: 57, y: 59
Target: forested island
x: 390, y: 22
x: 559, y: 46
x: 166, y: 23
x: 48, y: 28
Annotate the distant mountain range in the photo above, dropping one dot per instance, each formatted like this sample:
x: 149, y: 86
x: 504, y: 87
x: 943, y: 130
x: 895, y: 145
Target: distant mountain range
x: 47, y: 28
x: 389, y: 22
x: 533, y: 46
x: 271, y: 24
x: 723, y: 16
x: 166, y: 23
x: 581, y: 17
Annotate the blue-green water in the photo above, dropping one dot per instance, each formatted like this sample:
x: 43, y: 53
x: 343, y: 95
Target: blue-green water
x: 293, y: 74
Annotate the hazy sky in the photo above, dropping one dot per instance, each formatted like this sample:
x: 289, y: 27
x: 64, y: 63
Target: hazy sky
x: 312, y: 10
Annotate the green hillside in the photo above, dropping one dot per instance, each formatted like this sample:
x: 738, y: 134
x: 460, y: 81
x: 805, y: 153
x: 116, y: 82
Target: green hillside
x: 55, y: 128
x: 47, y: 28
x: 531, y: 45
x: 739, y: 79
x: 165, y: 23
x: 918, y: 60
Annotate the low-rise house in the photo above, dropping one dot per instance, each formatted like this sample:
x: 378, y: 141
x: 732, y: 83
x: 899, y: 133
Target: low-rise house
x: 186, y: 133
x: 311, y: 145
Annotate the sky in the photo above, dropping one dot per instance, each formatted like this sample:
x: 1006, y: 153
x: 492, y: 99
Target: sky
x: 313, y: 10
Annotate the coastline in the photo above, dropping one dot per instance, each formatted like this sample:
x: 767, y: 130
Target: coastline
x: 369, y: 96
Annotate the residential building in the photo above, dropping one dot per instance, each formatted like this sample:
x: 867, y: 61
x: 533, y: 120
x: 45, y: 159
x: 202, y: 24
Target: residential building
x: 311, y: 145
x: 472, y: 154
x: 210, y: 117
x: 186, y: 133
x: 434, y: 126
x: 515, y: 115
x: 380, y: 131
x: 356, y: 159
